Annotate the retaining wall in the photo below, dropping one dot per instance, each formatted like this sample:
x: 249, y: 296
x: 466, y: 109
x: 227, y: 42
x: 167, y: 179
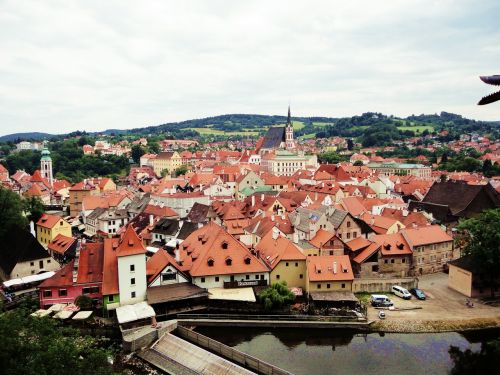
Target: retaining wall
x: 376, y: 284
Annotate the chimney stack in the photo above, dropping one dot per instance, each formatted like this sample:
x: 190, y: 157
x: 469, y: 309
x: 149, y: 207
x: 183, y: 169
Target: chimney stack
x: 177, y: 255
x: 334, y: 267
x: 151, y: 220
x: 272, y: 217
x: 253, y: 200
x: 262, y: 197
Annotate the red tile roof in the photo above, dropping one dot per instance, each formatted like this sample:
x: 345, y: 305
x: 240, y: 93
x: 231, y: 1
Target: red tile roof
x: 110, y: 268
x: 426, y: 235
x: 130, y: 243
x: 321, y: 268
x: 49, y: 221
x: 274, y: 248
x: 60, y: 244
x: 91, y: 263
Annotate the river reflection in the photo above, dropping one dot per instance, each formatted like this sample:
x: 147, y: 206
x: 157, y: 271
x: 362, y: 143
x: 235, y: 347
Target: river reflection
x: 304, y: 351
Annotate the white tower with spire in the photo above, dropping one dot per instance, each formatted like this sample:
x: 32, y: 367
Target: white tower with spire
x: 289, y: 141
x: 46, y: 165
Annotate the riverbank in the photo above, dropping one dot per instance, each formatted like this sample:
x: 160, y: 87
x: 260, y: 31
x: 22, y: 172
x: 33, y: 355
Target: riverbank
x: 434, y: 326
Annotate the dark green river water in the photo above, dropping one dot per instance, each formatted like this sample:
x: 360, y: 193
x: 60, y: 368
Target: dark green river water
x: 308, y: 352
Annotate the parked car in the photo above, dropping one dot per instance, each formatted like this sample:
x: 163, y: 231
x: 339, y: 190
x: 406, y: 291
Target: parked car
x: 418, y: 293
x: 380, y: 300
x: 401, y: 292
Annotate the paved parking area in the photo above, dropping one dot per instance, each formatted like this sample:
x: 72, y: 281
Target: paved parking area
x: 442, y: 303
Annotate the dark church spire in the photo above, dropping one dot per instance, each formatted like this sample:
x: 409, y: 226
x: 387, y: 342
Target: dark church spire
x: 289, y: 119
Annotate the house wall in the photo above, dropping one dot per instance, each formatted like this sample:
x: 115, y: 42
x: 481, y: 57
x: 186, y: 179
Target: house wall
x: 396, y: 264
x: 348, y: 229
x: 45, y: 235
x: 179, y: 278
x: 72, y: 293
x: 460, y: 280
x: 125, y: 276
x: 32, y: 267
x: 291, y: 272
x: 329, y: 286
x: 210, y: 281
x: 431, y: 258
x: 76, y: 199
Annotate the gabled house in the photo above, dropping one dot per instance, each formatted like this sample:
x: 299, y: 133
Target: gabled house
x: 62, y: 248
x: 327, y: 243
x: 162, y: 269
x: 49, y: 226
x: 285, y: 260
x: 329, y: 273
x: 22, y: 255
x: 81, y: 276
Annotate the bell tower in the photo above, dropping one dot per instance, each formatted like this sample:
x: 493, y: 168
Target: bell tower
x: 46, y: 165
x: 289, y: 141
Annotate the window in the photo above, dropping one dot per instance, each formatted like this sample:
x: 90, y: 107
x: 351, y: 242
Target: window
x: 247, y: 277
x: 354, y: 234
x: 343, y: 286
x: 229, y: 261
x: 348, y: 224
x: 287, y: 264
x: 168, y: 276
x: 385, y: 261
x: 296, y: 264
x: 327, y: 286
x: 348, y: 235
x: 32, y: 264
x: 86, y: 291
x: 94, y: 289
x: 132, y: 268
x: 216, y: 279
x: 403, y: 260
x: 47, y: 293
x: 247, y: 260
x: 111, y: 298
x: 63, y: 292
x: 301, y: 276
x: 132, y: 281
x: 392, y: 260
x: 225, y: 245
x: 202, y: 279
x: 277, y: 277
x: 210, y: 262
x: 48, y: 260
x: 319, y: 286
x: 132, y: 295
x: 256, y: 277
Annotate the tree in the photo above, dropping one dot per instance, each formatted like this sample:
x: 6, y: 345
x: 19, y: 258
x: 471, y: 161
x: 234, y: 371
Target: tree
x: 11, y: 212
x: 164, y: 172
x: 137, y: 151
x: 42, y: 346
x: 469, y: 362
x: 181, y: 170
x: 154, y: 147
x: 276, y: 296
x: 358, y: 163
x: 34, y: 208
x: 83, y: 302
x: 481, y: 241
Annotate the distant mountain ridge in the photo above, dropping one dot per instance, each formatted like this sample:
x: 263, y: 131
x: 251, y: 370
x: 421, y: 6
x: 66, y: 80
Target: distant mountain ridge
x: 253, y: 124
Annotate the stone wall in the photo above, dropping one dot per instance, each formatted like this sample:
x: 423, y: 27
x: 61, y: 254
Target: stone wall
x: 371, y: 285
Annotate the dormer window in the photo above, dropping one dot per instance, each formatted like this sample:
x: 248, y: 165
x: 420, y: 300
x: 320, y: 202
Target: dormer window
x: 229, y: 261
x: 210, y: 262
x: 247, y: 260
x: 225, y: 245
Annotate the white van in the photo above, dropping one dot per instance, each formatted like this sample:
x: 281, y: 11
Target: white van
x: 401, y: 292
x: 380, y: 300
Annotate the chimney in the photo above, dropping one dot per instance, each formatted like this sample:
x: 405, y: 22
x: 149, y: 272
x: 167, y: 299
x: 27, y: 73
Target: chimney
x: 334, y: 267
x: 151, y: 220
x: 262, y: 197
x: 177, y: 255
x: 295, y: 237
x: 253, y: 200
x: 276, y: 233
x: 272, y: 217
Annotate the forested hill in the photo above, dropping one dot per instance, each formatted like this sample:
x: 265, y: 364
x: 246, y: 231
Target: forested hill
x: 17, y: 137
x: 370, y: 128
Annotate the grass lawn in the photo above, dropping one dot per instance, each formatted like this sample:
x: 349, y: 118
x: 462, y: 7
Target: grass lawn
x: 418, y: 128
x: 208, y: 131
x: 308, y: 136
x: 322, y: 124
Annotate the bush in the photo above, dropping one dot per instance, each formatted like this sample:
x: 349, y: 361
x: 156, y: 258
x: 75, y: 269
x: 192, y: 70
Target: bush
x: 276, y: 296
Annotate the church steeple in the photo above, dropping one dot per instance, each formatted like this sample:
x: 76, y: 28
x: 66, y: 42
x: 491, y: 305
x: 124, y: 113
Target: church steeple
x: 289, y: 142
x: 46, y: 165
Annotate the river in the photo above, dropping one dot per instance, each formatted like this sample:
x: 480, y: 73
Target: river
x: 308, y: 352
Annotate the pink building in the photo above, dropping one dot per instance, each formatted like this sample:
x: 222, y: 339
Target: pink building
x: 83, y: 275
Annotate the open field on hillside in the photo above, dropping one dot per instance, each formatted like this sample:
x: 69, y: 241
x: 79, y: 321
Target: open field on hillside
x: 417, y: 129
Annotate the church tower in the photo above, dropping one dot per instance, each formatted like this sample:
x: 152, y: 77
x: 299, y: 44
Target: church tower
x: 46, y: 165
x: 289, y: 141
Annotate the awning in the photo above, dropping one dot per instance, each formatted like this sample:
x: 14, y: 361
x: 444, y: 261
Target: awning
x: 63, y: 315
x: 57, y: 307
x: 41, y: 313
x: 131, y: 313
x: 82, y: 315
x: 233, y: 294
x: 297, y: 291
x: 112, y: 306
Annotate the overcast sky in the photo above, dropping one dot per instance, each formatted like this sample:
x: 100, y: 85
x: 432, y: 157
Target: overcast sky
x: 95, y: 65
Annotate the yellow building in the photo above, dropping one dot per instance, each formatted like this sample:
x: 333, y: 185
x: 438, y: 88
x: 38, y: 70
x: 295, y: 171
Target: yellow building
x: 49, y: 226
x: 284, y: 258
x: 168, y: 161
x: 85, y: 188
x: 329, y: 273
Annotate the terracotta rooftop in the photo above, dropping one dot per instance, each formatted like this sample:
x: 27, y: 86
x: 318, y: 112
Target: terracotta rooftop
x: 329, y: 268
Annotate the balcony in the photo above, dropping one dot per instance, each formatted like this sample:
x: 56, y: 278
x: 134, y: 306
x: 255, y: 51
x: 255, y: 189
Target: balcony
x: 244, y: 283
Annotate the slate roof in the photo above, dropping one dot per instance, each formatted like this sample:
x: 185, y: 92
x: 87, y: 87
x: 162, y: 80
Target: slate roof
x: 167, y: 226
x: 275, y: 135
x: 19, y: 246
x: 459, y: 196
x: 186, y: 229
x: 198, y: 213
